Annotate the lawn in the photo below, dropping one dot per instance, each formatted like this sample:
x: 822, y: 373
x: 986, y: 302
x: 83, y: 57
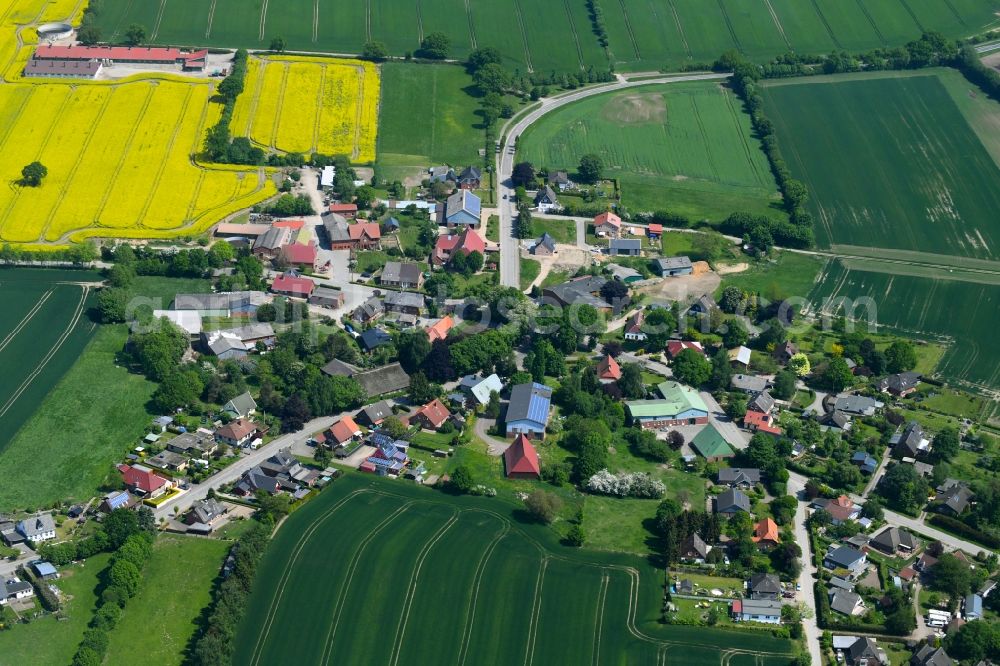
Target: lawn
x: 890, y: 162
x: 791, y: 275
x: 529, y: 271
x: 444, y: 560
x: 177, y: 585
x: 493, y: 228
x: 51, y: 641
x: 683, y: 147
x: 368, y: 261
x: 562, y: 231
x: 676, y: 243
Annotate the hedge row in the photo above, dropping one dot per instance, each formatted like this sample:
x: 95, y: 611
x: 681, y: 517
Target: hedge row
x: 961, y: 529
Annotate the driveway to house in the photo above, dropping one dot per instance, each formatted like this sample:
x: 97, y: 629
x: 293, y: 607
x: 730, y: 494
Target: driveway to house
x: 725, y: 425
x: 648, y: 363
x: 808, y: 574
x: 7, y: 568
x: 496, y: 446
x: 509, y: 250
x: 872, y: 482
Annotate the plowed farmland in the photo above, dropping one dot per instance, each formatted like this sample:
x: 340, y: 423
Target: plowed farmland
x: 378, y: 572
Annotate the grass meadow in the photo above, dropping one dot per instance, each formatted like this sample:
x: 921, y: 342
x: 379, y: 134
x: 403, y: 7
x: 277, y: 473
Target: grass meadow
x: 890, y: 162
x: 458, y: 580
x: 683, y: 147
x: 542, y: 36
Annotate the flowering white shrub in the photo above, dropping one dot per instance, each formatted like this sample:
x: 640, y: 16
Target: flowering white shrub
x: 625, y: 484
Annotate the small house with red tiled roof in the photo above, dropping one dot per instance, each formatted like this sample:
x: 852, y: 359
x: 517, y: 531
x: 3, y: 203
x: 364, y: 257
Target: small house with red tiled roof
x: 448, y: 244
x: 765, y: 534
x: 431, y: 416
x: 292, y: 285
x: 365, y: 235
x: 760, y: 422
x: 439, y: 330
x: 142, y: 480
x: 608, y: 370
x: 299, y: 255
x: 633, y: 327
x: 342, y: 432
x: 348, y: 210
x: 238, y: 433
x: 675, y: 347
x: 607, y: 224
x: 521, y: 459
x: 654, y: 231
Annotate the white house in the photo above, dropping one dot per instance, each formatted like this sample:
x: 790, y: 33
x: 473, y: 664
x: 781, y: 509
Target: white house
x: 38, y: 528
x: 757, y: 610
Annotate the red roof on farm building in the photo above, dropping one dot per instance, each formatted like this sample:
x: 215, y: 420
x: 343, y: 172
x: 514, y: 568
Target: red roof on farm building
x: 122, y: 53
x: 294, y: 225
x: 295, y: 286
x: 521, y: 458
x: 434, y: 412
x: 343, y: 208
x: 296, y: 253
x: 361, y: 229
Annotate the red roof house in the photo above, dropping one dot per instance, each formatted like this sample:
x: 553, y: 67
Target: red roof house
x: 765, y: 533
x: 348, y: 210
x: 675, y: 347
x: 142, y: 480
x: 467, y: 241
x: 294, y: 225
x: 521, y: 459
x: 290, y: 285
x: 341, y: 432
x: 760, y: 422
x: 439, y: 331
x: 296, y: 254
x: 655, y: 230
x: 432, y: 415
x: 236, y: 433
x: 609, y: 370
x: 608, y: 224
x: 365, y: 234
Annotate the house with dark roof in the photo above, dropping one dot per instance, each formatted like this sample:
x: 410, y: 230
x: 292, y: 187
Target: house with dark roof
x: 955, y: 499
x: 764, y: 586
x: 928, y: 655
x: 784, y: 352
x: 560, y: 180
x: 402, y: 275
x: 910, y: 441
x: 857, y: 405
x: 672, y: 266
x: 694, y: 549
x: 845, y: 557
x: 205, y: 512
x: 470, y: 178
x: 168, y: 460
x: 846, y: 603
x: 893, y: 540
x: 380, y: 381
x: 13, y: 589
x: 749, y: 384
x: 544, y: 246
x: 703, y: 305
x: 521, y: 459
x: 404, y: 302
x: 731, y: 502
x: 583, y: 290
x: 374, y: 414
x: 546, y: 200
x: 442, y: 174
x: 373, y: 338
x: 865, y: 461
x: 254, y: 480
x: 528, y: 410
x: 762, y: 402
x: 368, y: 311
x: 864, y: 651
x: 625, y: 247
x: 241, y: 406
x: 38, y: 528
x: 738, y: 477
x: 623, y: 274
x: 835, y: 420
x: 901, y: 384
x: 478, y: 389
x: 327, y: 297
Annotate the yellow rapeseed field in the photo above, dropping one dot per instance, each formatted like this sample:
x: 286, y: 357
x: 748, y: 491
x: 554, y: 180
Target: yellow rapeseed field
x: 302, y: 104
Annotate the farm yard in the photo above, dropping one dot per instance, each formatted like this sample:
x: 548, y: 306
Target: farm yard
x: 542, y: 37
x: 431, y: 566
x: 935, y: 305
x: 306, y: 105
x: 890, y: 161
x: 686, y: 147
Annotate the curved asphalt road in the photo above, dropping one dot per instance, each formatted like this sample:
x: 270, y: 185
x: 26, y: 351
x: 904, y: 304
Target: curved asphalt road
x: 509, y: 249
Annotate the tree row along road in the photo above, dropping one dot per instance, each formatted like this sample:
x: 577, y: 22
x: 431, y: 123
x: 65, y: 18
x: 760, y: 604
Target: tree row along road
x: 509, y: 247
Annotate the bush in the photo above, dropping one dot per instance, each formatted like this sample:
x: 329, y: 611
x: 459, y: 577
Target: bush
x: 961, y: 529
x: 625, y: 484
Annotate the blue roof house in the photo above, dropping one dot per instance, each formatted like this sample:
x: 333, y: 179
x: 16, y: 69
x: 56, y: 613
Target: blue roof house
x: 528, y: 410
x: 463, y: 208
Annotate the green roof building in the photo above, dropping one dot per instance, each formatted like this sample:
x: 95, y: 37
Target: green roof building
x: 680, y: 405
x: 711, y: 445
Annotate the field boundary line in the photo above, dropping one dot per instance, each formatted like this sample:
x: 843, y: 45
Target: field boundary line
x: 733, y: 113
x: 777, y: 23
x: 463, y: 652
x: 75, y: 168
x: 420, y: 22
x: 27, y: 317
x: 315, y: 35
x: 956, y: 13
x: 871, y: 20
x: 355, y: 559
x: 359, y: 114
x: 576, y: 37
x: 829, y: 28
x: 125, y: 150
x: 524, y: 36
x: 276, y: 123
x: 319, y: 107
x: 909, y: 10
x: 411, y: 589
x: 680, y: 28
x: 602, y: 597
x: 211, y: 17
x: 163, y: 165
x: 628, y: 27
x: 300, y: 543
x: 263, y: 20
x: 536, y: 611
x: 472, y: 25
x: 53, y: 350
x: 729, y: 24
x: 159, y: 18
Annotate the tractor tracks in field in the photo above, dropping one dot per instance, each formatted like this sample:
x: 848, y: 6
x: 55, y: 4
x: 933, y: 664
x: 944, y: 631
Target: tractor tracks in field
x: 315, y: 33
x: 166, y: 156
x: 628, y: 28
x: 121, y: 161
x: 275, y: 124
x: 27, y: 318
x: 472, y: 25
x: 420, y: 24
x: 680, y: 28
x: 519, y: 15
x: 159, y: 19
x: 319, y: 109
x: 463, y: 653
x: 211, y: 17
x: 826, y: 24
x: 263, y: 20
x: 871, y: 20
x: 359, y: 114
x: 729, y: 24
x: 576, y: 36
x: 777, y: 23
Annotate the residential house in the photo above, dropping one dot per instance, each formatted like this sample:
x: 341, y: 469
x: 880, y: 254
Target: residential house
x: 680, y: 405
x: 373, y: 338
x: 625, y: 247
x: 865, y: 461
x: 521, y: 459
x: 374, y: 414
x: 341, y: 433
x: 37, y: 528
x: 752, y: 610
x: 954, y: 499
x: 478, y: 389
x: 115, y: 500
x: 365, y: 235
x: 292, y: 285
x: 893, y: 541
x: 740, y: 358
x: 404, y: 302
x: 528, y: 410
x: 755, y: 421
x: 463, y: 208
x: 583, y: 290
x: 431, y: 416
x: 711, y: 445
x: 240, y: 341
x: 348, y: 210
x: 623, y: 274
x: 187, y: 320
x: 300, y: 256
x: 846, y: 603
x: 608, y: 369
x: 675, y: 347
x: 223, y: 304
x: 168, y: 460
x: 470, y: 178
x: 608, y: 224
x: 784, y: 352
x: 900, y: 385
x: 731, y: 502
x: 762, y: 402
x: 205, y: 512
x: 738, y: 477
x: 764, y: 586
x: 402, y: 275
x: 749, y: 384
x: 972, y: 607
x: 143, y: 481
x: 633, y: 327
x: 929, y: 655
x: 560, y: 180
x: 654, y: 231
x: 694, y: 549
x: 857, y: 405
x: 241, y: 406
x: 673, y: 266
x: 465, y: 242
x: 254, y: 480
x: 864, y: 651
x: 442, y: 174
x: 840, y: 509
x: 835, y: 420
x: 380, y: 381
x: 390, y: 226
x: 686, y: 586
x: 237, y: 433
x: 14, y: 589
x: 368, y: 311
x: 544, y: 246
x: 338, y: 232
x: 845, y: 557
x: 439, y: 329
x: 197, y: 444
x: 546, y: 200
x: 910, y: 441
x: 327, y: 297
x: 389, y: 458
x: 765, y: 534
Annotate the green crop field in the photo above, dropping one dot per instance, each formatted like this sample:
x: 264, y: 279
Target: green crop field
x: 890, y: 162
x: 44, y: 327
x: 379, y: 572
x: 683, y: 147
x: 966, y: 314
x: 538, y: 36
